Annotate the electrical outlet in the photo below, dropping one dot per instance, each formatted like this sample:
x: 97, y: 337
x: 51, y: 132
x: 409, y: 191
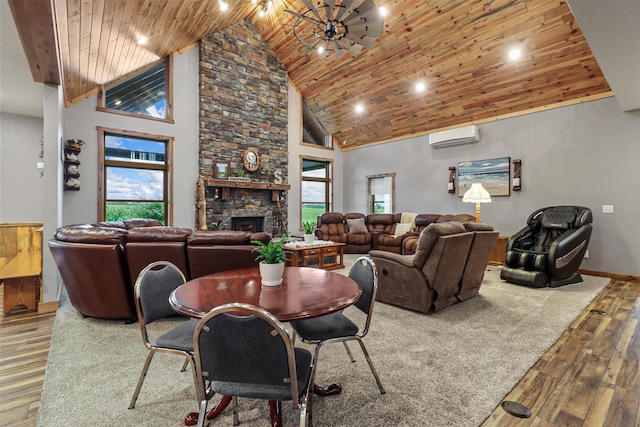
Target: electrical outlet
x: 586, y: 253
x: 607, y: 208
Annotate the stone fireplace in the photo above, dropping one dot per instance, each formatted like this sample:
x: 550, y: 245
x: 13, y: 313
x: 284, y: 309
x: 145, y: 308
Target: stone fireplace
x: 243, y: 104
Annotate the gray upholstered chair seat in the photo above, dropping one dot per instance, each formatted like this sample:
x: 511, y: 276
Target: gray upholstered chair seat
x: 180, y: 337
x: 326, y: 327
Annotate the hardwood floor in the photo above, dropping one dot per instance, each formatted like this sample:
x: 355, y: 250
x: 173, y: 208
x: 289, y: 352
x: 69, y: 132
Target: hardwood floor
x: 590, y: 377
x: 24, y: 348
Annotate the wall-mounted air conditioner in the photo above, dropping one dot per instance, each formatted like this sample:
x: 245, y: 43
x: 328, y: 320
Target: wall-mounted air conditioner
x: 447, y: 138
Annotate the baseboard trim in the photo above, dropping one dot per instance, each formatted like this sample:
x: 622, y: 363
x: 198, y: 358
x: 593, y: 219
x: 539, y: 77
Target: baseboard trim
x: 48, y: 307
x: 614, y: 276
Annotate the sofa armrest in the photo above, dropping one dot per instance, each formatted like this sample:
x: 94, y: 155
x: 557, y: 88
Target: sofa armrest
x: 404, y: 260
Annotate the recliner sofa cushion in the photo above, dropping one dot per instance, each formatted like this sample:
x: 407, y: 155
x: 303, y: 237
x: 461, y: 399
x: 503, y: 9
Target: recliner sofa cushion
x: 429, y: 237
x: 356, y: 226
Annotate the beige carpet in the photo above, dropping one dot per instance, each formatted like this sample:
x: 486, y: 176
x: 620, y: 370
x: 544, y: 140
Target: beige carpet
x: 451, y: 368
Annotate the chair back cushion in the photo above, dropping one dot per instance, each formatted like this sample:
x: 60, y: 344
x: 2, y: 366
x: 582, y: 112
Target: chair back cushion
x: 365, y: 275
x: 429, y: 237
x: 246, y: 355
x: 153, y: 288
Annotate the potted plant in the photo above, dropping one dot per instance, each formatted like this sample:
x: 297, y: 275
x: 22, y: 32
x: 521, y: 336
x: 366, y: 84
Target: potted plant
x: 308, y: 232
x: 272, y: 258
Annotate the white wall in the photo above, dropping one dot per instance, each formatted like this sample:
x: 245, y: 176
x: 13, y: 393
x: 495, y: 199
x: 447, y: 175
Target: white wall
x: 296, y: 150
x: 21, y: 187
x: 586, y: 154
x: 80, y: 121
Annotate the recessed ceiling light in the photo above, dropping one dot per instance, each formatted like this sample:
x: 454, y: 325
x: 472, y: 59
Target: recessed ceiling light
x: 383, y: 11
x: 515, y: 53
x: 420, y: 87
x: 359, y: 108
x: 320, y: 50
x: 143, y: 40
x: 224, y: 5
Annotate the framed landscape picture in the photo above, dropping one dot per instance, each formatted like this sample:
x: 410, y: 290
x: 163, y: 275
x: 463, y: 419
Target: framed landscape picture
x: 493, y: 174
x: 221, y: 170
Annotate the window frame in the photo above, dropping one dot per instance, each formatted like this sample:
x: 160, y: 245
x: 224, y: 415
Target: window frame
x: 370, y: 200
x: 132, y: 75
x: 328, y: 143
x: 328, y: 182
x: 103, y: 163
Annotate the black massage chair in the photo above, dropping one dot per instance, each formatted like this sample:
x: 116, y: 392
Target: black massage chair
x: 549, y: 250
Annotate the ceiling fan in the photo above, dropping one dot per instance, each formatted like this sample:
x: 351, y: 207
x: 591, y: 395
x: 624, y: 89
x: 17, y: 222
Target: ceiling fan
x: 342, y: 27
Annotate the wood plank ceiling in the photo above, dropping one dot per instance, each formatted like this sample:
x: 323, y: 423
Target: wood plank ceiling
x: 457, y: 48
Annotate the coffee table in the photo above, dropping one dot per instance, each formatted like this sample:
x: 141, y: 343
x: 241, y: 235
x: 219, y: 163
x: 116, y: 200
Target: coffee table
x: 323, y: 254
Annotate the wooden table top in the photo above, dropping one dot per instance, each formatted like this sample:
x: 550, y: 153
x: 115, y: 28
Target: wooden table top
x: 304, y: 293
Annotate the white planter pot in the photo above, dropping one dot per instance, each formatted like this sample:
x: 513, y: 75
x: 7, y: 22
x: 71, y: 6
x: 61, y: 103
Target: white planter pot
x: 309, y: 238
x: 271, y: 274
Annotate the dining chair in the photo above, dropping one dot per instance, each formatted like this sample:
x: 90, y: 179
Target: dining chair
x: 244, y: 351
x: 336, y: 327
x: 151, y: 294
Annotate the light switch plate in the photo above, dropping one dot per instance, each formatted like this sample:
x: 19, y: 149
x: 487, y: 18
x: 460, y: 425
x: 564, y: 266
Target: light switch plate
x: 607, y: 208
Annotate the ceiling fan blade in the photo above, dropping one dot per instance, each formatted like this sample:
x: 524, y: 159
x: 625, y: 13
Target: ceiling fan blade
x: 365, y: 41
x: 354, y: 49
x: 346, y: 8
x: 330, y: 6
x: 305, y: 17
x: 338, y: 50
x: 366, y: 19
x: 312, y: 8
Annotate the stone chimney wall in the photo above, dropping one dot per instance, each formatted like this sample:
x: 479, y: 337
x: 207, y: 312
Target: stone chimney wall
x: 243, y: 104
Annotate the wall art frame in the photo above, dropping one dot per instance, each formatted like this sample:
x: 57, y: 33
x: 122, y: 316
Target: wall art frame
x: 493, y: 174
x: 221, y: 170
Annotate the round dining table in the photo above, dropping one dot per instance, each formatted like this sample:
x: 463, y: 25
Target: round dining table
x: 304, y: 293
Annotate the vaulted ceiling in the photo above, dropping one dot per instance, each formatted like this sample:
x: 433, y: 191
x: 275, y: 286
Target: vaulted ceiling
x: 457, y: 48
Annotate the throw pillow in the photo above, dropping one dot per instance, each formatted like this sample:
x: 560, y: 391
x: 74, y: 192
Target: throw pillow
x: 356, y: 226
x: 402, y: 228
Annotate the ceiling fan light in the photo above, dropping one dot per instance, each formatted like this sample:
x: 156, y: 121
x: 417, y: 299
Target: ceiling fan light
x: 362, y: 26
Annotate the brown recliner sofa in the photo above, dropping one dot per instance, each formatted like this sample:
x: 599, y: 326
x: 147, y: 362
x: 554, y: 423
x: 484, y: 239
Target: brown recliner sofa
x: 410, y: 242
x: 430, y: 278
x: 362, y: 233
x: 99, y: 262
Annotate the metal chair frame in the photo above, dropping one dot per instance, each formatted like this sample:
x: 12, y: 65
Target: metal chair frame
x: 358, y: 336
x: 153, y: 348
x: 300, y: 399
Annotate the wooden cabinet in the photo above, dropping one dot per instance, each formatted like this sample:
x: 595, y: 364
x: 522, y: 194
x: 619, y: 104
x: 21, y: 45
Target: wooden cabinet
x: 497, y: 256
x: 328, y: 257
x: 21, y: 265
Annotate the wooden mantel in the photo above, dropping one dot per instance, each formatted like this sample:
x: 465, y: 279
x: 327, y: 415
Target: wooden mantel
x: 223, y: 183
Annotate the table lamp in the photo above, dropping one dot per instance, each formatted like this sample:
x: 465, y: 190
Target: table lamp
x: 477, y: 194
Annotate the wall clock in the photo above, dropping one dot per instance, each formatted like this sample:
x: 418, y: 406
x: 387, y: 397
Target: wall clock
x: 251, y: 160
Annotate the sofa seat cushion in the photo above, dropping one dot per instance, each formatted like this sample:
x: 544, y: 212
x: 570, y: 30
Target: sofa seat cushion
x: 359, y: 239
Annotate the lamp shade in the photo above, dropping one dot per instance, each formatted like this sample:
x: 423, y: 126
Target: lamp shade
x: 476, y: 194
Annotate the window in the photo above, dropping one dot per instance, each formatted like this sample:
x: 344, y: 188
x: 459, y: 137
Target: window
x: 135, y: 176
x: 315, y: 194
x: 145, y: 94
x: 313, y: 132
x: 381, y: 193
